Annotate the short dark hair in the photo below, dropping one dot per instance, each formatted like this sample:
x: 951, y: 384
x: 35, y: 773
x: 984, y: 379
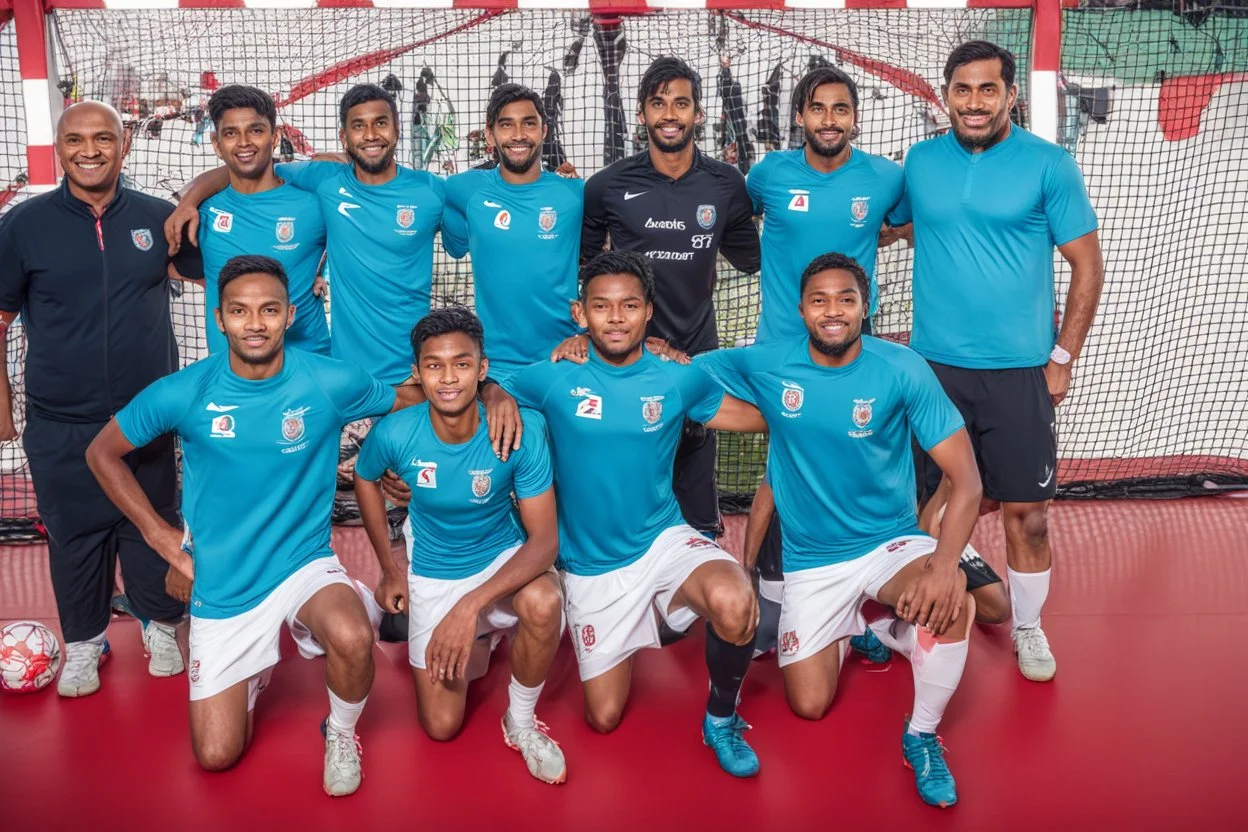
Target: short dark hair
x: 240, y: 97
x: 362, y: 94
x: 663, y: 71
x: 446, y: 321
x: 509, y: 94
x: 804, y: 92
x: 980, y: 50
x: 836, y: 260
x: 619, y: 262
x: 236, y: 267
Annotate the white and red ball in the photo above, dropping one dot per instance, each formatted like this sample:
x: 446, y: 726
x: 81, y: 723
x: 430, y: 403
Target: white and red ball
x: 30, y: 655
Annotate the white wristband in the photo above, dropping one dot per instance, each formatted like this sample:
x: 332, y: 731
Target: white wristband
x: 1059, y: 355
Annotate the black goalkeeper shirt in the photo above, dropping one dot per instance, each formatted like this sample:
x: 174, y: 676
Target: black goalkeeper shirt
x: 681, y: 225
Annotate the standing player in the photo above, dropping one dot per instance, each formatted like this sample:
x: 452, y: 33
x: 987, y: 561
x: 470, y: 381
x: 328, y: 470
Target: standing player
x: 850, y: 527
x: 259, y: 213
x: 984, y: 306
x: 628, y: 557
x: 259, y: 427
x: 474, y: 569
x: 681, y: 209
x: 82, y: 267
x: 522, y: 227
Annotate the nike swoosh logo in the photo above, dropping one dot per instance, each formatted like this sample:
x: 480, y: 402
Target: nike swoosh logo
x: 221, y: 408
x: 343, y: 207
x: 346, y: 193
x: 1046, y: 479
x: 489, y: 204
x: 628, y: 196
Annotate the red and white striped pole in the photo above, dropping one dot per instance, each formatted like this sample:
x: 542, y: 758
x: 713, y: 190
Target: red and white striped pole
x: 1046, y: 60
x: 40, y: 97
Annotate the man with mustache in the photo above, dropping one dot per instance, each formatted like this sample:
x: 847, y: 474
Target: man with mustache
x: 990, y: 201
x: 681, y: 209
x: 82, y: 266
x: 522, y: 227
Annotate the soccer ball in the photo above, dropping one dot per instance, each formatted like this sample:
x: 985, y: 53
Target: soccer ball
x: 30, y: 655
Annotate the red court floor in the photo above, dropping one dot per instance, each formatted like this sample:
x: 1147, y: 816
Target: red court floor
x: 1143, y: 728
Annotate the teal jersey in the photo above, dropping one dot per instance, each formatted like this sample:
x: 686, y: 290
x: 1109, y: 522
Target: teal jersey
x: 259, y: 462
x: 985, y: 225
x: 380, y: 258
x: 284, y: 223
x: 840, y: 461
x: 525, y: 243
x: 613, y: 433
x: 807, y: 213
x: 461, y: 512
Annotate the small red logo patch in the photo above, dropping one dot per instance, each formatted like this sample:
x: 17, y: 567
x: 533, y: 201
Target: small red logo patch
x: 587, y: 636
x: 194, y: 671
x: 788, y: 643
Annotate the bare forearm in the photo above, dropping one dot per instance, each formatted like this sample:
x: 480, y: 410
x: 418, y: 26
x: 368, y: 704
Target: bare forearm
x: 205, y: 185
x: 6, y: 392
x: 961, y: 514
x: 373, y: 515
x: 1081, y: 303
x: 118, y: 483
x: 761, y: 512
x: 529, y: 561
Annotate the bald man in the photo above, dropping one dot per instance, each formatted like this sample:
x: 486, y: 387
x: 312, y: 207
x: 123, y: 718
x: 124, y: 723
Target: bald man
x: 85, y: 268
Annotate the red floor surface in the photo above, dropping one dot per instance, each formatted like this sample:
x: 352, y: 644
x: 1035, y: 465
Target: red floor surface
x: 1140, y: 730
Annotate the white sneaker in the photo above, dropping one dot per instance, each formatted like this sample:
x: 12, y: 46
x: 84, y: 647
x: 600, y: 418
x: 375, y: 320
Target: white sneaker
x: 81, y: 676
x: 342, y: 762
x: 541, y: 754
x: 160, y: 641
x: 1035, y: 659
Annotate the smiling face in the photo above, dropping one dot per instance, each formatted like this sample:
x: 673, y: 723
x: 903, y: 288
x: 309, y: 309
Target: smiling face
x: 518, y: 133
x: 832, y: 308
x: 245, y: 141
x: 371, y: 136
x: 254, y: 313
x: 828, y: 119
x: 450, y: 368
x: 91, y: 146
x: 979, y: 103
x: 616, y: 313
x: 670, y: 116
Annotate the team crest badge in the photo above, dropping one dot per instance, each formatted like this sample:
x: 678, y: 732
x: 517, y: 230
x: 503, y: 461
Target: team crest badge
x: 862, y: 412
x: 194, y: 671
x: 706, y: 216
x: 292, y: 424
x: 587, y: 636
x: 858, y: 209
x: 142, y: 238
x: 792, y: 397
x: 546, y: 219
x: 652, y: 411
x: 223, y: 427
x: 789, y: 643
x: 285, y: 231
x: 481, y: 484
x: 405, y: 217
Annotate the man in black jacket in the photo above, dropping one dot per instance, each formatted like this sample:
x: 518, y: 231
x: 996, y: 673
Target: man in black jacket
x: 86, y: 268
x: 681, y: 209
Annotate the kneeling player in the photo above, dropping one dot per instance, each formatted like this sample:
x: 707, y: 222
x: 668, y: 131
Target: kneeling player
x: 259, y: 426
x: 848, y: 512
x: 473, y: 570
x: 628, y: 557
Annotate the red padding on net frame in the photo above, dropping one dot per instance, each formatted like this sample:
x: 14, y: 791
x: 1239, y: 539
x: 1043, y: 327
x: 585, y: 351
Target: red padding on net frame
x: 1183, y: 101
x: 604, y: 6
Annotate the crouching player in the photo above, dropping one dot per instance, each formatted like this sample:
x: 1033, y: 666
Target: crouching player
x: 841, y: 407
x: 474, y: 570
x: 259, y: 426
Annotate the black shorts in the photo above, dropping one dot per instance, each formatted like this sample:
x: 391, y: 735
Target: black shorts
x: 693, y: 479
x: 1009, y: 416
x: 978, y: 572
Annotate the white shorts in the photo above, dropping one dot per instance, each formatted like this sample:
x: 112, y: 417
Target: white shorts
x: 613, y: 615
x: 823, y: 605
x: 430, y: 599
x: 225, y: 651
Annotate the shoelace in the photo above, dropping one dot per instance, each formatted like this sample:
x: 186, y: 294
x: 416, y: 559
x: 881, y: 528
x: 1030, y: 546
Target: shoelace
x: 531, y: 740
x: 730, y: 734
x: 934, y: 751
x: 342, y: 745
x: 1033, y: 640
x: 79, y: 659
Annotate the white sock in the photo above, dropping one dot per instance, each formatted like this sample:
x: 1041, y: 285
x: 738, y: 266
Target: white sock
x: 937, y: 668
x: 522, y: 702
x: 1028, y: 591
x: 344, y: 715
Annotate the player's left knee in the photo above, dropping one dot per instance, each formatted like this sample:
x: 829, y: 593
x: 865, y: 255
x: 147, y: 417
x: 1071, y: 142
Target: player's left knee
x: 540, y: 606
x: 734, y: 613
x: 992, y: 604
x: 351, y: 640
x: 1028, y: 525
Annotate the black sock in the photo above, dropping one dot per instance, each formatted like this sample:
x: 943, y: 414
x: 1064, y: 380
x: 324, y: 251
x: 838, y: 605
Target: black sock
x: 727, y: 664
